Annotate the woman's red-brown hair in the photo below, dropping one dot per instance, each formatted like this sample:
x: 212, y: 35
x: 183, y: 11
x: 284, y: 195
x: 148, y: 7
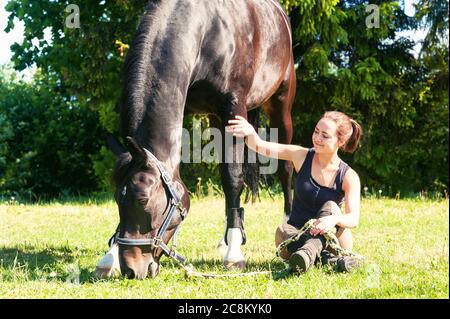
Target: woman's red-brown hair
x: 348, y: 130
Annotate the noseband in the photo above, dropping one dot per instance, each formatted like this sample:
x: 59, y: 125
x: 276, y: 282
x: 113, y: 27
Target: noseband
x: 174, y: 204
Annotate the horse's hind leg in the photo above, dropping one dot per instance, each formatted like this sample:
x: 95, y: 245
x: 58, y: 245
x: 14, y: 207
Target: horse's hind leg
x: 278, y: 108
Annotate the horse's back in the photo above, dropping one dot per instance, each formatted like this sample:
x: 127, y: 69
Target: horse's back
x: 246, y: 47
x: 239, y: 47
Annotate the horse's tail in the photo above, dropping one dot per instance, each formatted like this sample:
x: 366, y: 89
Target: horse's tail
x: 251, y: 162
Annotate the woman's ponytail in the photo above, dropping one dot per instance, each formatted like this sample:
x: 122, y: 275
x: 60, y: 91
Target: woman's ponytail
x: 353, y: 141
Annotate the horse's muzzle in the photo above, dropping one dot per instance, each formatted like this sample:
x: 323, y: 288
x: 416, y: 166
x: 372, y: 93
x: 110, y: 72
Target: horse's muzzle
x: 136, y: 264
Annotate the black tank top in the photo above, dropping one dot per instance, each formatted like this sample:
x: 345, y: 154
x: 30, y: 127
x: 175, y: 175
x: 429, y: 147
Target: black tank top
x: 309, y: 196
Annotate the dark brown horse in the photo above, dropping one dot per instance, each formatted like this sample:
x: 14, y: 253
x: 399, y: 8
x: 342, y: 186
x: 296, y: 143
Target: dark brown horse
x: 218, y: 57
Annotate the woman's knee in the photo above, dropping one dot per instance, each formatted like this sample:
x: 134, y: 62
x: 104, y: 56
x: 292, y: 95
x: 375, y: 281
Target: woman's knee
x: 284, y: 232
x: 329, y: 208
x: 279, y: 236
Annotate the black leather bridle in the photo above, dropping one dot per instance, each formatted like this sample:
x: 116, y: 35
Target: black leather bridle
x: 174, y: 205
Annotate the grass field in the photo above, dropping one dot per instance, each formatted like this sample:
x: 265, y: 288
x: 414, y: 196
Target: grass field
x: 45, y: 248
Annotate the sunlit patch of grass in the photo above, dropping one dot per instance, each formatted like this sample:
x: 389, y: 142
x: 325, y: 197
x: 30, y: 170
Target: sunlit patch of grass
x: 51, y: 250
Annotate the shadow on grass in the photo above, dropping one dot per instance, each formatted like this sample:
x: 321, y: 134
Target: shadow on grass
x: 51, y: 263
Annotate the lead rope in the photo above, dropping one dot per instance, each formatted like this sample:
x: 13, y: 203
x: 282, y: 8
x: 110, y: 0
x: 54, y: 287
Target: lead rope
x: 330, y: 237
x: 331, y: 241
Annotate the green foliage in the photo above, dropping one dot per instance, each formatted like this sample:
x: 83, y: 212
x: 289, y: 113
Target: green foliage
x: 87, y: 61
x: 400, y: 99
x: 190, y: 172
x: 103, y: 169
x: 46, y: 138
x: 372, y: 75
x: 434, y: 15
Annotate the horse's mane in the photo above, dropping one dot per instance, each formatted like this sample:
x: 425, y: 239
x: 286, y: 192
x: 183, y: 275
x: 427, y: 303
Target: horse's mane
x: 137, y: 70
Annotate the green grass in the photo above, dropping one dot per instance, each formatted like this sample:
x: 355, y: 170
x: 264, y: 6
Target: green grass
x: 405, y: 244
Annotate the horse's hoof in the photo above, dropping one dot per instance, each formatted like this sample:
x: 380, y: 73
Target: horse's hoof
x: 108, y: 266
x: 106, y: 273
x: 238, y: 265
x: 103, y: 273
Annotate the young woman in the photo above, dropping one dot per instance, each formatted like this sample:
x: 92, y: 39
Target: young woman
x: 323, y: 183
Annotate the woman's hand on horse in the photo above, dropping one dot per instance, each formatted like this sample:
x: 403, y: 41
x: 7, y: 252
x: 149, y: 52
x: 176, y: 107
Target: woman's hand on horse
x: 240, y: 127
x: 323, y: 225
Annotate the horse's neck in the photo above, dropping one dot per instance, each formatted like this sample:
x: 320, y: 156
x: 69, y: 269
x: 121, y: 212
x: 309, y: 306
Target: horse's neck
x: 156, y: 125
x: 158, y: 69
x: 164, y: 138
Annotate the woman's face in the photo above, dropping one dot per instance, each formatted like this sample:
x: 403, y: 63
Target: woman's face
x: 325, y: 138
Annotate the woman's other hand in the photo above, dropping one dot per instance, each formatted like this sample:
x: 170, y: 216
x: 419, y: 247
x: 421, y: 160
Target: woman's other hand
x: 323, y: 225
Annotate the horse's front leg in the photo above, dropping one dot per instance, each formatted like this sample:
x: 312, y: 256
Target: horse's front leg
x: 233, y: 183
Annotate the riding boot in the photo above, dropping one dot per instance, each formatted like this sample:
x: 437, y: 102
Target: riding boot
x: 284, y: 232
x: 307, y: 254
x: 235, y: 219
x: 306, y: 251
x: 339, y: 263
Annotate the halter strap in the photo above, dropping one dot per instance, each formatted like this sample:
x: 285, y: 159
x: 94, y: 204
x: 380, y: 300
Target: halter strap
x: 174, y: 203
x: 165, y: 176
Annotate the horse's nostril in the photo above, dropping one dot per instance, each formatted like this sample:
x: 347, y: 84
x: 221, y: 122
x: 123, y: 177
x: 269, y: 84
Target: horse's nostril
x: 129, y: 273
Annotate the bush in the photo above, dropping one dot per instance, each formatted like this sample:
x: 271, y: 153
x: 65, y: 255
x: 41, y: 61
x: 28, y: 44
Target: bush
x: 46, y: 139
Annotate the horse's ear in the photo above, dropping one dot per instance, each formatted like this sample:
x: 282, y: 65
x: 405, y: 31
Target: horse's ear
x: 114, y: 145
x: 136, y: 151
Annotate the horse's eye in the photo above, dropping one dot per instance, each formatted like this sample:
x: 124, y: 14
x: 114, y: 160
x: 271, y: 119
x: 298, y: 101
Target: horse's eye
x: 143, y: 201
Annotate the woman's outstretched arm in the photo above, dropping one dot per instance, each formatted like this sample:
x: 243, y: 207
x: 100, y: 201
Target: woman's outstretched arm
x: 241, y: 128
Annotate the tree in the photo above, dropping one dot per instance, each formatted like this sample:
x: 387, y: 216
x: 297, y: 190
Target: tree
x: 46, y: 140
x: 370, y: 73
x: 373, y: 75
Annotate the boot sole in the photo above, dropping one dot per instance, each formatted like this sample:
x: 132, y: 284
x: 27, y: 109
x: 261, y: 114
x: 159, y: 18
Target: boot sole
x: 347, y: 265
x: 297, y: 263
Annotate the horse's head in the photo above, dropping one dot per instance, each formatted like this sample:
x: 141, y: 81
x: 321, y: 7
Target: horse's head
x: 144, y: 202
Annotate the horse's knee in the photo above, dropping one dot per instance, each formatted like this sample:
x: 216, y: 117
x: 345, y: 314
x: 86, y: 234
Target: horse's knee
x: 232, y: 176
x: 233, y: 191
x: 237, y: 183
